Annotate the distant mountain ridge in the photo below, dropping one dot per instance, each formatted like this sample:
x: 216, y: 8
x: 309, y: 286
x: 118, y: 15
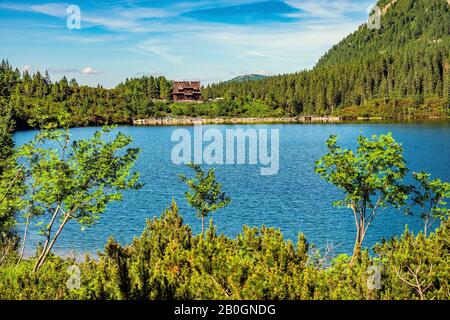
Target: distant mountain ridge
x: 247, y: 77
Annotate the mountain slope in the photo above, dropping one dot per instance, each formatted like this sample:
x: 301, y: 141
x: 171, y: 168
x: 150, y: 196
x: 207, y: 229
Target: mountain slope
x: 404, y: 23
x: 248, y: 77
x: 397, y: 71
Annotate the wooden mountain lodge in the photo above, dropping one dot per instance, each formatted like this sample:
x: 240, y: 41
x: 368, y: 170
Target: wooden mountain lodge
x: 186, y: 91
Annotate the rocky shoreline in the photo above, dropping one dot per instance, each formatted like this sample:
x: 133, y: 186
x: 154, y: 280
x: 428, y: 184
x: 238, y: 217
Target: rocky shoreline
x: 187, y: 121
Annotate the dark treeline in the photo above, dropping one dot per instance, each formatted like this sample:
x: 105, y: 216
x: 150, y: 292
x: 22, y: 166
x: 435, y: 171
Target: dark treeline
x: 31, y: 96
x: 403, y: 69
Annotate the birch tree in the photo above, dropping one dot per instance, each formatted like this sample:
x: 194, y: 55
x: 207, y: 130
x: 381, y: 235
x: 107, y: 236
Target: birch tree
x: 206, y: 194
x: 74, y: 180
x: 372, y: 179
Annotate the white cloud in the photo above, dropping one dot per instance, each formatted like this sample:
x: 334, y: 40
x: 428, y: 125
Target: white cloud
x: 288, y: 43
x: 336, y: 9
x: 51, y: 9
x: 90, y: 39
x: 264, y: 72
x: 184, y: 47
x: 265, y: 55
x: 90, y: 71
x: 159, y: 49
x: 145, y: 13
x: 114, y: 17
x: 149, y: 73
x: 85, y: 71
x: 110, y: 22
x: 62, y: 70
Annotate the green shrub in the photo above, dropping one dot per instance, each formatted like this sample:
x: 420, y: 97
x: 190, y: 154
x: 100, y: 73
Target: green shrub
x: 168, y: 262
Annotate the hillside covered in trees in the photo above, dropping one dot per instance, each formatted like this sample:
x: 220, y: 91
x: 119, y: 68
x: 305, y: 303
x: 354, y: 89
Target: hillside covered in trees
x: 30, y: 96
x: 402, y: 69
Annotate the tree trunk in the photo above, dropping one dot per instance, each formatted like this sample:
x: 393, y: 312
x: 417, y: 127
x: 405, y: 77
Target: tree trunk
x: 358, y: 244
x: 356, y: 254
x: 425, y: 229
x: 25, y: 233
x: 44, y: 255
x: 9, y: 245
x: 203, y: 225
x: 11, y: 185
x: 47, y: 241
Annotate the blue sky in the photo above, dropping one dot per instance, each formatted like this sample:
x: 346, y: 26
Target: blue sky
x: 206, y: 40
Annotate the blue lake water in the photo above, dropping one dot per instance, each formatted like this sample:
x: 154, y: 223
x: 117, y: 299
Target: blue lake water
x: 295, y: 200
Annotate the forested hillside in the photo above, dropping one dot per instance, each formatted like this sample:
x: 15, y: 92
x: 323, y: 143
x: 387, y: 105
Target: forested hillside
x: 403, y: 69
x: 30, y: 96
